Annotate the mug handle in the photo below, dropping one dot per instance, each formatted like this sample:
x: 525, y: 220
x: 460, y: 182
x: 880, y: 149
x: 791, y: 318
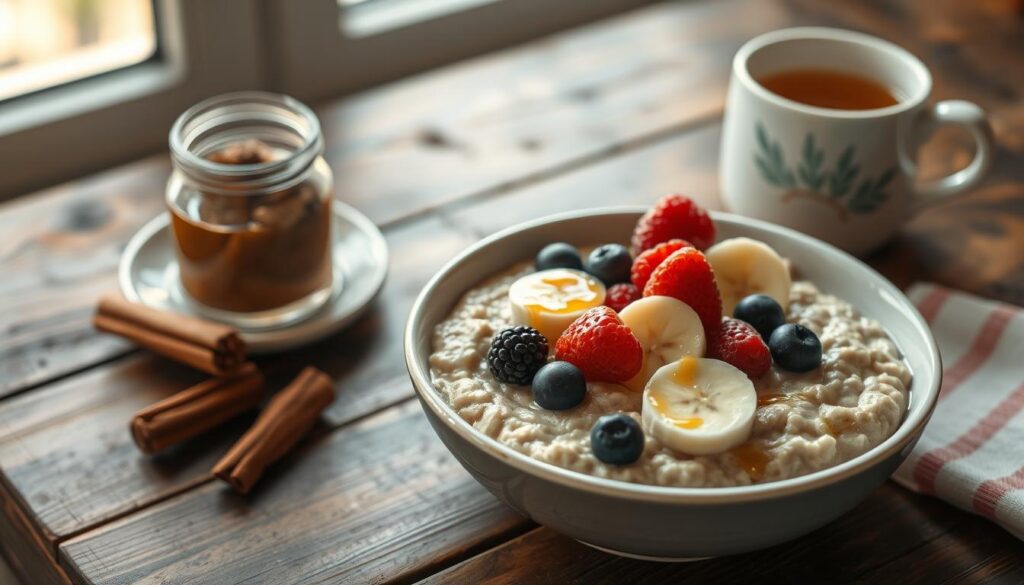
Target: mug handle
x: 971, y: 117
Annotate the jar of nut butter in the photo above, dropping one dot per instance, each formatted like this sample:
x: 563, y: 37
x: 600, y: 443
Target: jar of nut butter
x: 250, y: 204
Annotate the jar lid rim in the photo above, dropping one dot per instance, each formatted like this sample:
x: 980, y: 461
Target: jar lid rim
x: 312, y: 139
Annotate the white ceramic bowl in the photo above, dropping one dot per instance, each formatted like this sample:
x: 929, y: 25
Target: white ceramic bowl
x: 669, y: 523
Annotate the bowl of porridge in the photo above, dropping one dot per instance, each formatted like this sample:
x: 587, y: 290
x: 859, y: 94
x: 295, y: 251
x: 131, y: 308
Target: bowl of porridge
x: 671, y: 392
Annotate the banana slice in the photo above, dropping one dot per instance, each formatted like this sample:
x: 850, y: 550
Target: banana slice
x: 744, y: 267
x: 667, y: 329
x: 550, y: 300
x: 699, y: 406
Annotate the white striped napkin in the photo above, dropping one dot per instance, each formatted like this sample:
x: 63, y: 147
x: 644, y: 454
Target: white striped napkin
x: 972, y: 451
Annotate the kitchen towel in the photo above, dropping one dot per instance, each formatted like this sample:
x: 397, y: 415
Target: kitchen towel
x: 972, y: 452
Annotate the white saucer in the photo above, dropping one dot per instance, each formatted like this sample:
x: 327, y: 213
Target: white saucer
x: 148, y: 274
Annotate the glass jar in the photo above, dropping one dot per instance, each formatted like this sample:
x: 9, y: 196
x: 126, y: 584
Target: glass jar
x: 250, y: 204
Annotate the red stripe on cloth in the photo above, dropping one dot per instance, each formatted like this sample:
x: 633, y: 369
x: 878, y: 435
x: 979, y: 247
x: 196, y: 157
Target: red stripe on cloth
x: 987, y: 498
x: 932, y: 462
x: 930, y: 305
x: 981, y: 348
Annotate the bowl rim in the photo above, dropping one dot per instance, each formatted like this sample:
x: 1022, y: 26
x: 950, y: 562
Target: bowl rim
x: 909, y: 429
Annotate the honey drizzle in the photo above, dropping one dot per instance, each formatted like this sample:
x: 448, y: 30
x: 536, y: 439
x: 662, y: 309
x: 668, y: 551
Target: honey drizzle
x: 689, y: 422
x: 572, y: 305
x: 769, y: 398
x: 751, y: 459
x: 686, y: 372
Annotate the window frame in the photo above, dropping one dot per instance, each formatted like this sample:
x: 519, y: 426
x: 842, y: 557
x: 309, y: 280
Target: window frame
x: 204, y: 47
x: 314, y: 57
x: 207, y: 47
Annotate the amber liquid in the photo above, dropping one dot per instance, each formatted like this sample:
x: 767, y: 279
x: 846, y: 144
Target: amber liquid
x: 256, y: 266
x: 829, y: 89
x: 247, y: 254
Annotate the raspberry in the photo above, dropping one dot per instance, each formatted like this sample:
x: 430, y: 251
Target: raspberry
x: 687, y: 276
x: 620, y: 295
x: 648, y: 260
x: 516, y: 354
x: 737, y: 343
x: 601, y: 346
x: 673, y: 216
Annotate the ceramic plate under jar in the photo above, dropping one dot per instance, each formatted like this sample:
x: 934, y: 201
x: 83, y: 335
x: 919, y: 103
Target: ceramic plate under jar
x: 148, y: 274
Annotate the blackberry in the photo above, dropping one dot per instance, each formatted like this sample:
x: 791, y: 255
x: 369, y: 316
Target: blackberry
x: 516, y: 354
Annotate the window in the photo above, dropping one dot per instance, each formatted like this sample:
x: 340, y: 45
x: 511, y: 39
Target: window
x: 87, y: 84
x: 367, y: 17
x: 113, y: 111
x: 45, y: 43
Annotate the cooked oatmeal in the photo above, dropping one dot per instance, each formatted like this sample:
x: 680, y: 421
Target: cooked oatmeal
x: 804, y: 422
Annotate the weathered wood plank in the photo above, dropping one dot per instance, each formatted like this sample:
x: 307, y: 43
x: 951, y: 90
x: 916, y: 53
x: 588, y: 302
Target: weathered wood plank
x: 973, y: 552
x: 573, y: 97
x: 59, y: 253
x: 972, y: 48
x: 472, y: 129
x: 971, y: 243
x: 638, y: 176
x: 28, y: 555
x: 892, y: 525
x: 599, y: 111
x: 683, y: 164
x: 379, y: 500
x: 66, y: 448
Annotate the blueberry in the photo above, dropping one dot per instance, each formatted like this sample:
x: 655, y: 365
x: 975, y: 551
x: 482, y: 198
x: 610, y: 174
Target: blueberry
x: 795, y: 348
x: 617, y: 439
x: 762, y: 312
x: 610, y: 263
x: 558, y: 255
x: 559, y: 386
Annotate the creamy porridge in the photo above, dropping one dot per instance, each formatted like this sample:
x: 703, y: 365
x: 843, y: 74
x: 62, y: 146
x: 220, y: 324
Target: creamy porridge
x: 802, y: 423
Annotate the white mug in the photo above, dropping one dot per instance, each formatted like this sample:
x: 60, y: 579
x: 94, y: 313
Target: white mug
x: 844, y: 176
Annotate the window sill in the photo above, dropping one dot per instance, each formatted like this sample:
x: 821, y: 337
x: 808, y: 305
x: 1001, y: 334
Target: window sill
x: 88, y: 95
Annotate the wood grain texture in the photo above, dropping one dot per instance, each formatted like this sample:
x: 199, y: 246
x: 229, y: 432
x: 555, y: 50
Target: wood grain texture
x: 564, y: 101
x: 971, y: 48
x: 972, y: 243
x: 871, y: 543
x: 377, y: 501
x: 67, y: 450
x: 471, y: 130
x: 619, y: 112
x: 687, y: 163
x: 639, y: 176
x: 59, y: 254
x: 26, y: 552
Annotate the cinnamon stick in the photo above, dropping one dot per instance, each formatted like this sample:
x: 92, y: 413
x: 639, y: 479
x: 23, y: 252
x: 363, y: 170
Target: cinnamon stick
x: 287, y: 417
x: 211, y: 347
x: 196, y: 410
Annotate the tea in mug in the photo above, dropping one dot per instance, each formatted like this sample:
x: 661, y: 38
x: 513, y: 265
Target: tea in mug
x: 829, y: 89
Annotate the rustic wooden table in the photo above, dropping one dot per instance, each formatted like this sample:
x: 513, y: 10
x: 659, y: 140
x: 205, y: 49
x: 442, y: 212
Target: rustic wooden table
x: 617, y: 112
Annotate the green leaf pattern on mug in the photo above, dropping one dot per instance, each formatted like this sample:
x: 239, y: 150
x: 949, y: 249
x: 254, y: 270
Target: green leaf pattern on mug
x: 771, y: 162
x: 810, y: 167
x: 812, y: 179
x: 870, y: 195
x: 841, y: 179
